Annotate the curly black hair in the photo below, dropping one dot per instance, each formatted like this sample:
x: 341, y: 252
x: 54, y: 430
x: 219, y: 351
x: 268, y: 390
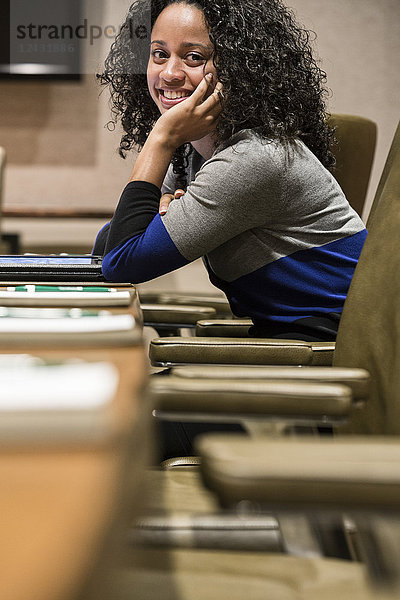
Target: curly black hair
x: 264, y: 59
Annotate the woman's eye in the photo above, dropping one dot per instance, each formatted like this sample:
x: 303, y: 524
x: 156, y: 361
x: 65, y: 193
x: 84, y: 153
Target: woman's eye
x: 158, y: 54
x: 193, y: 57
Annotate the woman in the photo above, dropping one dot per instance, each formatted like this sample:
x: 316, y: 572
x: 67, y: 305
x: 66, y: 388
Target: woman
x: 243, y: 131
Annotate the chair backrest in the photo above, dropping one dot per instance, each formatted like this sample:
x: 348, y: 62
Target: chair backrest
x: 354, y: 153
x: 369, y: 332
x: 394, y: 148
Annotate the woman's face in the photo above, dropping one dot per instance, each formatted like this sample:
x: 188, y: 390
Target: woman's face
x: 180, y: 55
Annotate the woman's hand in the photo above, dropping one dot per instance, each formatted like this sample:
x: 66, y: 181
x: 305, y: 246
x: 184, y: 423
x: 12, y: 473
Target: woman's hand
x: 166, y: 200
x: 188, y: 121
x: 194, y: 118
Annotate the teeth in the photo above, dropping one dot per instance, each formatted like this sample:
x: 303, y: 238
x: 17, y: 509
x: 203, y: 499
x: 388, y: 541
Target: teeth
x: 174, y: 95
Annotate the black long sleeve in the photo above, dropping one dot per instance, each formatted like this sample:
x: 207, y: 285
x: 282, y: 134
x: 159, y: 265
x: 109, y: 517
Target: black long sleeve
x: 137, y: 207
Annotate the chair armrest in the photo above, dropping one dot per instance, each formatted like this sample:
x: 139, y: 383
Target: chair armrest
x: 179, y: 350
x: 177, y: 398
x: 358, y: 380
x: 223, y: 327
x: 352, y: 473
x: 217, y: 302
x: 169, y: 319
x: 323, y: 351
x: 170, y: 314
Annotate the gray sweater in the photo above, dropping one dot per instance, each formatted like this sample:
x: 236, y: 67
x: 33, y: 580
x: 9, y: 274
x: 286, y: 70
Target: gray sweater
x: 275, y: 230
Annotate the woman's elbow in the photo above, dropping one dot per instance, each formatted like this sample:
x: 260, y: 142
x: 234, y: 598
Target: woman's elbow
x: 117, y: 271
x: 113, y: 270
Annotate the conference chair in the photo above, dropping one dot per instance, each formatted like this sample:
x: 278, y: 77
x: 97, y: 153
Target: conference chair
x: 306, y: 486
x: 354, y: 152
x: 184, y: 395
x: 353, y: 481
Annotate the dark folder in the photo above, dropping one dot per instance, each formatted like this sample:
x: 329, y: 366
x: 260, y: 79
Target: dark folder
x: 50, y: 268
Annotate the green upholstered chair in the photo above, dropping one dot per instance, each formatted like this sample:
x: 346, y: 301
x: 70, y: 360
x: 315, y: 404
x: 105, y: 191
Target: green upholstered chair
x: 324, y: 479
x: 393, y: 151
x: 316, y: 480
x: 354, y: 151
x: 262, y: 399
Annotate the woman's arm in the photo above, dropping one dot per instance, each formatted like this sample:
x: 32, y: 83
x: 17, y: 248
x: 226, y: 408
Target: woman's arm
x: 139, y: 203
x: 236, y: 190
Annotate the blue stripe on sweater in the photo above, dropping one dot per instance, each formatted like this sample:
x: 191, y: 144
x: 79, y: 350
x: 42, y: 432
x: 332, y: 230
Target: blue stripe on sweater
x: 144, y: 256
x: 306, y: 283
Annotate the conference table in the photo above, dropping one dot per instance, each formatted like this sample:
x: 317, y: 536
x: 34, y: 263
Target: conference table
x: 66, y: 499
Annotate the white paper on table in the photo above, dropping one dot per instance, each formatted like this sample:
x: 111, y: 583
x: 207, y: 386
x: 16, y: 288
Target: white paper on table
x: 79, y: 324
x: 55, y: 402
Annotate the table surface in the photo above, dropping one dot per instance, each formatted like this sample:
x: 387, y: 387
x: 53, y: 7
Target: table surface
x: 132, y: 305
x: 59, y: 506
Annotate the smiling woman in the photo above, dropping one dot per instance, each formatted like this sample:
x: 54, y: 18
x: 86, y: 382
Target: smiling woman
x: 178, y: 64
x: 231, y: 110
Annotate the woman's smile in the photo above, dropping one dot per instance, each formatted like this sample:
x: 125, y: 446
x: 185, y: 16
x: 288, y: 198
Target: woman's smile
x: 170, y: 98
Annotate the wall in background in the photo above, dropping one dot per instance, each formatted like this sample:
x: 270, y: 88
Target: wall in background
x: 61, y: 154
x: 359, y: 46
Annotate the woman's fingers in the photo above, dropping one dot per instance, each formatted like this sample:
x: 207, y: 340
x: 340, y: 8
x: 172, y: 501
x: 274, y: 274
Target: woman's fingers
x: 216, y: 98
x: 201, y: 90
x: 164, y: 203
x: 166, y: 200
